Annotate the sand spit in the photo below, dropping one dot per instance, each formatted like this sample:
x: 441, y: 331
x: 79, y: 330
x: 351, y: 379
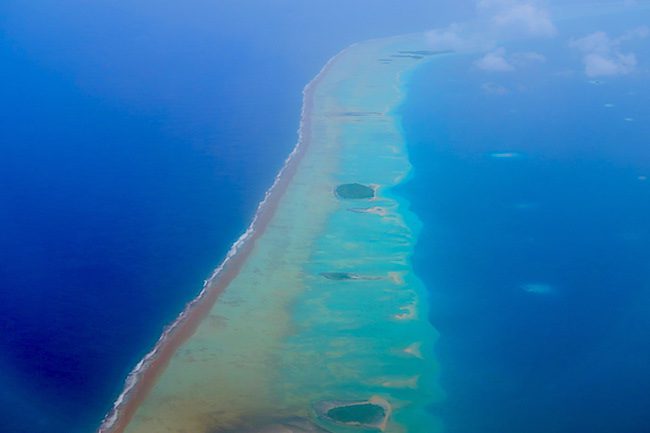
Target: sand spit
x: 396, y: 277
x: 409, y: 312
x: 375, y: 210
x: 414, y: 349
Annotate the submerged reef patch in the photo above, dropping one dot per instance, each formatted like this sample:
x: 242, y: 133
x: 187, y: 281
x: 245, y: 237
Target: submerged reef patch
x: 352, y: 191
x: 346, y: 276
x: 377, y: 210
x: 407, y: 56
x: 537, y: 288
x: 339, y: 276
x: 423, y: 52
x: 361, y: 113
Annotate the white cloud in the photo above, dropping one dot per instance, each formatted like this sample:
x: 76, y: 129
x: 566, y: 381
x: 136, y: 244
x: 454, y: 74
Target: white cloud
x: 525, y: 58
x: 497, y: 19
x: 498, y: 61
x: 603, y: 56
x: 456, y: 37
x: 448, y: 38
x: 637, y: 33
x: 597, y: 42
x: 495, y: 61
x: 494, y: 89
x: 519, y: 18
x: 598, y: 65
x: 492, y: 5
x: 526, y: 18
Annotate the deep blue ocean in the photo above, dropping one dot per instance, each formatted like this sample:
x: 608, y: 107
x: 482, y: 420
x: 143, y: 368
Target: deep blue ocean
x: 136, y: 139
x: 533, y: 186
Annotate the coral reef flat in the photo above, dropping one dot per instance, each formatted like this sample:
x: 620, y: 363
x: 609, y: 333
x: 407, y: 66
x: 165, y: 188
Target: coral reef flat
x: 289, y: 329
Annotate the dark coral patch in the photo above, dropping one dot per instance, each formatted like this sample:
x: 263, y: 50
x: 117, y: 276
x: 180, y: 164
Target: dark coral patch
x: 361, y: 414
x: 339, y: 276
x: 368, y: 415
x: 353, y: 191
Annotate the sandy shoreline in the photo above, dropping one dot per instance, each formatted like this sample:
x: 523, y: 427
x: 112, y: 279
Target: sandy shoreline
x: 143, y: 377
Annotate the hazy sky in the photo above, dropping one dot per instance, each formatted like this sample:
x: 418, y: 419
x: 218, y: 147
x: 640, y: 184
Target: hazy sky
x: 135, y: 51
